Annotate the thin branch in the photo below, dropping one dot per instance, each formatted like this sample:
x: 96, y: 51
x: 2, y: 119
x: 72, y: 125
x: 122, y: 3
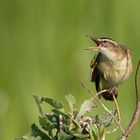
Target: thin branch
x: 136, y: 82
x: 115, y: 129
x: 117, y: 108
x: 119, y: 117
x: 95, y: 96
x: 137, y: 110
x: 118, y: 112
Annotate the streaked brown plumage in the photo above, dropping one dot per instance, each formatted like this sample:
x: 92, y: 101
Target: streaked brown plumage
x: 110, y: 67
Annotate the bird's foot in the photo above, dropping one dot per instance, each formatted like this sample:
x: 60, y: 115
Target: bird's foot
x: 112, y: 91
x: 108, y: 95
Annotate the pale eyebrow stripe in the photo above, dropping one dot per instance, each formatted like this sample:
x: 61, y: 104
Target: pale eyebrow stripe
x: 109, y: 40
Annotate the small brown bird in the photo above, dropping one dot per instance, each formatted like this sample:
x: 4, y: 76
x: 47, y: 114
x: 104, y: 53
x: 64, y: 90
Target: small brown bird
x: 110, y: 67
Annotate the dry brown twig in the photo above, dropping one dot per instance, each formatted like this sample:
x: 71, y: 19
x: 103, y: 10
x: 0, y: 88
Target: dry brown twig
x: 137, y: 110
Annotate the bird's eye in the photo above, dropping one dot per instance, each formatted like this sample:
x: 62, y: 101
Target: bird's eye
x: 105, y: 43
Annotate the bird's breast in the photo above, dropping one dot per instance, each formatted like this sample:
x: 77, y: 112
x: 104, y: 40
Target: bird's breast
x: 114, y: 73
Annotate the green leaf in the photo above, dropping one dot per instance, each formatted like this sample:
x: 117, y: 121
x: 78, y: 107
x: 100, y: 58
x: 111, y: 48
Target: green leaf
x: 81, y: 136
x: 104, y: 119
x: 61, y: 113
x: 93, y: 132
x: 67, y: 120
x: 19, y: 138
x: 122, y: 138
x: 37, y: 99
x: 71, y: 101
x: 101, y: 132
x: 97, y: 133
x: 53, y: 118
x: 85, y: 107
x: 35, y: 131
x: 28, y: 137
x: 55, y: 103
x: 45, y: 123
x: 38, y: 102
x: 64, y: 136
x: 77, y: 126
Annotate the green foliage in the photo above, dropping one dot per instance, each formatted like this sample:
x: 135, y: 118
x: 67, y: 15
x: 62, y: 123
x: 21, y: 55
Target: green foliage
x: 85, y: 107
x: 71, y: 101
x: 41, y: 43
x: 76, y: 125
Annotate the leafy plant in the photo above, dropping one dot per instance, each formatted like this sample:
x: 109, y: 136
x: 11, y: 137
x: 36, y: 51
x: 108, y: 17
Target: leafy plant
x: 76, y: 125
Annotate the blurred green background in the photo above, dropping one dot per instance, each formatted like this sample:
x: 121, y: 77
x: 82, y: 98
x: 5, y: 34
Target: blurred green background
x: 41, y: 52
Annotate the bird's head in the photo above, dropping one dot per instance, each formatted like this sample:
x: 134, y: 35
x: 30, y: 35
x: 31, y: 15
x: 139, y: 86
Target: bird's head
x: 107, y: 47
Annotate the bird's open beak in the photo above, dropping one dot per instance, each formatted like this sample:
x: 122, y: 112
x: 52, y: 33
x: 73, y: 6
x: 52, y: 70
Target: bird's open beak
x: 89, y: 48
x: 96, y: 40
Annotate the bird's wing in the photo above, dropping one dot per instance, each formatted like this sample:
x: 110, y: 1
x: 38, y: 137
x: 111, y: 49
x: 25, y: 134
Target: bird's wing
x: 95, y: 73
